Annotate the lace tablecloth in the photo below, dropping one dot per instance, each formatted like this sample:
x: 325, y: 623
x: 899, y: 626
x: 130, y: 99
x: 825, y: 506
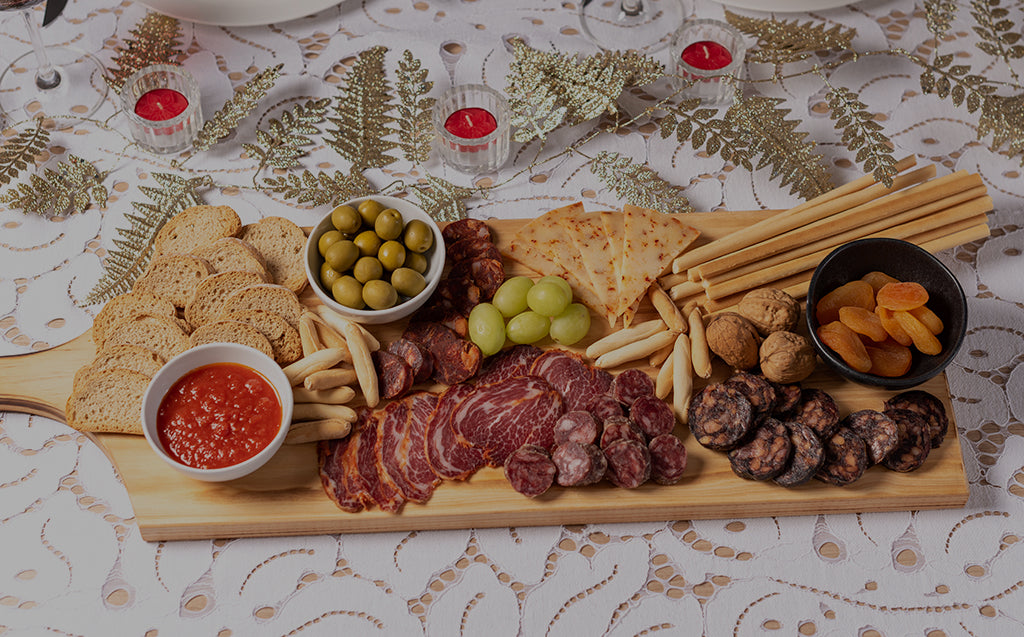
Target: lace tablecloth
x: 72, y: 561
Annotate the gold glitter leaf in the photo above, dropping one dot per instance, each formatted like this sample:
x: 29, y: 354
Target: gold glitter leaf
x: 999, y: 34
x: 939, y: 16
x: 862, y: 134
x: 20, y: 151
x: 416, y: 131
x: 281, y: 145
x: 361, y: 114
x: 690, y: 122
x: 782, y: 41
x: 156, y: 41
x: 638, y: 184
x: 442, y: 200
x: 320, y: 189
x: 71, y: 186
x: 1003, y: 118
x: 237, y: 108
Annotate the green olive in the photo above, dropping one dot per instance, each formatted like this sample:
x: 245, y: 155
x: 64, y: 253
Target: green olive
x: 341, y: 255
x: 379, y: 295
x: 328, y: 276
x: 328, y: 239
x: 389, y: 224
x: 369, y: 210
x: 348, y: 292
x: 346, y: 219
x: 368, y: 243
x: 392, y: 255
x: 415, y: 261
x: 367, y: 269
x: 408, y: 282
x: 418, y: 236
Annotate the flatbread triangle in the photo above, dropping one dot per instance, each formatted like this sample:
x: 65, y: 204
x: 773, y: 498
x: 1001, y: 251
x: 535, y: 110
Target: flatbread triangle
x: 592, y: 243
x: 651, y: 241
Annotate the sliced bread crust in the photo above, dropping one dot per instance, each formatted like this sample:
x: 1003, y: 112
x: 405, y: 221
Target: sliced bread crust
x: 160, y: 334
x: 195, y: 227
x: 205, y: 305
x: 281, y: 243
x: 284, y: 339
x: 132, y: 357
x: 266, y: 296
x: 231, y: 332
x: 231, y: 253
x: 126, y: 306
x: 174, y: 277
x: 108, y: 401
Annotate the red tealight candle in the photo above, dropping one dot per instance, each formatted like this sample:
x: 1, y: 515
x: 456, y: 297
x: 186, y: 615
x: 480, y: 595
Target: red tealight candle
x: 707, y: 55
x: 471, y: 123
x: 160, y: 104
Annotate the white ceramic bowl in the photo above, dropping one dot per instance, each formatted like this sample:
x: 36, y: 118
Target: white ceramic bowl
x: 209, y: 354
x: 435, y: 264
x: 238, y: 13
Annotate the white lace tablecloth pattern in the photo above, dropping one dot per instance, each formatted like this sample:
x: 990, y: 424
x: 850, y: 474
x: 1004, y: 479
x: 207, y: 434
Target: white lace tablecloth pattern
x: 72, y: 561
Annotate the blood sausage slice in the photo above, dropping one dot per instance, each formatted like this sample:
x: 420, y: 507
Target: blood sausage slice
x: 509, y: 363
x: 530, y: 470
x: 765, y: 455
x: 578, y: 383
x: 719, y: 417
x: 877, y: 430
x: 915, y: 441
x: 928, y: 406
x: 846, y: 458
x: 382, y: 489
x: 403, y: 445
x: 805, y: 460
x: 758, y: 390
x: 450, y: 455
x: 817, y: 410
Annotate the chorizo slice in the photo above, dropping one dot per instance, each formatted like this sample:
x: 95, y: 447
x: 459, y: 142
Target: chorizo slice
x: 471, y: 248
x: 418, y: 360
x: 720, y: 417
x: 484, y: 272
x: 846, y: 458
x: 395, y: 376
x: 466, y: 229
x: 765, y: 455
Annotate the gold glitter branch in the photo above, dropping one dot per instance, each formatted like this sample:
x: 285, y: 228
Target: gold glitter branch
x: 688, y: 122
x: 1000, y: 37
x: 71, y: 186
x: 783, y: 41
x: 361, y: 114
x: 320, y: 189
x: 442, y: 200
x: 416, y: 131
x: 862, y: 134
x: 237, y: 108
x: 19, y: 152
x: 281, y: 145
x: 939, y: 16
x: 638, y: 184
x: 156, y: 41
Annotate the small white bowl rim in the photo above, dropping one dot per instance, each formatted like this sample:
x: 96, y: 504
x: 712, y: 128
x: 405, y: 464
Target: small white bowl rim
x: 209, y: 354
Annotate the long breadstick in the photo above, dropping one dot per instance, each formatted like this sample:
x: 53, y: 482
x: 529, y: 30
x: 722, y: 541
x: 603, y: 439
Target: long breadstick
x: 339, y: 322
x: 625, y: 337
x: 685, y: 289
x: 635, y: 350
x: 324, y: 359
x: 317, y: 411
x: 666, y: 309
x: 307, y: 335
x: 329, y: 336
x: 700, y: 354
x: 682, y: 377
x: 335, y: 396
x: 315, y: 430
x: 329, y: 379
x: 363, y: 364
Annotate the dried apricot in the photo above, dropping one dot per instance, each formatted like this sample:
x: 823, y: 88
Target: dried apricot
x: 877, y: 279
x: 855, y: 293
x: 930, y: 319
x: 845, y: 342
x: 923, y: 339
x: 889, y: 359
x: 863, y: 322
x: 892, y: 326
x: 902, y: 296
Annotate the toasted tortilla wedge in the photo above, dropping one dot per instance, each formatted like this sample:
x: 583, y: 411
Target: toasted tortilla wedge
x: 651, y: 241
x: 593, y: 245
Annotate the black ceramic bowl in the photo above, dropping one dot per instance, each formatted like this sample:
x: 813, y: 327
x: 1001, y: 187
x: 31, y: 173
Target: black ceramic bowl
x: 906, y: 262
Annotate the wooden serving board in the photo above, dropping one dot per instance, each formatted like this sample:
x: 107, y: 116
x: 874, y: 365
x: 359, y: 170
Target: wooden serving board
x: 285, y: 496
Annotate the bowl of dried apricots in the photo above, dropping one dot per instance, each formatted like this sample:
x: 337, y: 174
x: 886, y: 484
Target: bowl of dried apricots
x: 886, y: 313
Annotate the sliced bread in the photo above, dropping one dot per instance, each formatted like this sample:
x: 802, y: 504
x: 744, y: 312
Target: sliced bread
x: 133, y: 357
x: 205, y: 305
x: 196, y: 227
x: 284, y: 339
x: 231, y: 332
x: 160, y: 334
x: 231, y: 253
x: 174, y: 277
x: 266, y: 296
x: 126, y: 306
x: 281, y: 243
x: 108, y: 401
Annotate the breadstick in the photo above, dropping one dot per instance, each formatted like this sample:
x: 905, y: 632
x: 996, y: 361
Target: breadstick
x: 624, y: 337
x: 329, y: 336
x: 317, y: 411
x: 336, y: 396
x: 700, y: 355
x: 685, y: 289
x: 663, y: 384
x: 635, y: 350
x: 361, y: 361
x: 314, y: 430
x: 307, y: 334
x: 329, y: 379
x: 667, y: 310
x: 324, y: 359
x: 659, y: 357
x: 338, y: 322
x: 682, y: 377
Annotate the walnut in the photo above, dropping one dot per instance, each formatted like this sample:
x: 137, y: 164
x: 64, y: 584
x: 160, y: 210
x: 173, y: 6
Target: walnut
x: 734, y: 339
x: 770, y: 310
x: 787, y: 357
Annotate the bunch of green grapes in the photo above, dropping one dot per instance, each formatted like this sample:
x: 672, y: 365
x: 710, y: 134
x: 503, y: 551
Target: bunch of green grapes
x: 533, y: 311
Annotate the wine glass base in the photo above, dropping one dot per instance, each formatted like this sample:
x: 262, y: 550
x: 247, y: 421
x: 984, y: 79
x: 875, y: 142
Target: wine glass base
x: 605, y: 24
x: 81, y: 92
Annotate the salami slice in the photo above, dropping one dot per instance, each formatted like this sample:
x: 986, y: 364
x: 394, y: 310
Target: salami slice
x: 487, y: 273
x: 817, y: 410
x: 450, y: 455
x: 930, y: 408
x: 579, y: 464
x: 530, y: 470
x: 915, y: 441
x: 577, y: 426
x: 668, y: 459
x: 629, y: 463
x: 846, y: 458
x: 419, y: 361
x: 509, y: 363
x: 653, y: 416
x: 394, y: 375
x: 720, y: 417
x: 806, y: 458
x: 758, y: 390
x: 877, y: 430
x: 454, y: 358
x: 630, y: 385
x: 787, y: 397
x: 466, y: 229
x: 578, y: 382
x: 605, y: 406
x: 620, y: 428
x: 765, y: 455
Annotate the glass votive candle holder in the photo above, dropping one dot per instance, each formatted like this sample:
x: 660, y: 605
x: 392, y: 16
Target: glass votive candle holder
x: 472, y: 123
x: 707, y: 57
x: 161, y: 103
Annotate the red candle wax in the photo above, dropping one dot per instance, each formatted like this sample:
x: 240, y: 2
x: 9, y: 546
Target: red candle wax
x: 707, y: 55
x: 160, y: 104
x: 471, y: 123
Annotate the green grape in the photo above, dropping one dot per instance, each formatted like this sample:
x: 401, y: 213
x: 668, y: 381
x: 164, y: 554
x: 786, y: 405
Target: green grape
x: 527, y: 327
x: 487, y: 328
x: 571, y: 325
x: 560, y: 282
x: 510, y: 299
x: 548, y: 299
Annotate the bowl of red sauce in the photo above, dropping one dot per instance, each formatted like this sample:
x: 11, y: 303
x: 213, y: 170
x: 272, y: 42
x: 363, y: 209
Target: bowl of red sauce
x: 217, y: 412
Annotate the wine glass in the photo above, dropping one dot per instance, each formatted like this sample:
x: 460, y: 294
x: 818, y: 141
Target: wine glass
x: 62, y: 81
x: 643, y: 25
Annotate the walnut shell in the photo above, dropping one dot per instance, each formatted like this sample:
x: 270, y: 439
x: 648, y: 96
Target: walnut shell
x: 787, y: 357
x: 770, y: 310
x: 734, y: 339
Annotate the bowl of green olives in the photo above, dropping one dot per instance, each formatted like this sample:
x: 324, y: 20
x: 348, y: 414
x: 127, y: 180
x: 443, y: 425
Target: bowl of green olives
x: 375, y: 259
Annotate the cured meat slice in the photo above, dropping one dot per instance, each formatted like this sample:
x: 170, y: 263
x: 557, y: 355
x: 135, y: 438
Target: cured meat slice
x: 630, y: 385
x: 419, y: 361
x: 604, y: 407
x: 629, y: 463
x: 455, y: 359
x: 530, y: 470
x: 462, y: 294
x: 440, y: 311
x: 578, y: 383
x: 929, y: 407
x: 787, y: 398
x: 805, y: 460
x: 877, y: 430
x: 817, y: 410
x: 846, y: 458
x: 368, y: 461
x: 579, y: 464
x: 403, y: 446
x: 652, y: 415
x: 758, y: 390
x: 765, y: 455
x: 915, y: 441
x: 501, y: 417
x: 466, y: 229
x: 719, y: 417
x: 394, y: 375
x: 339, y: 473
x: 577, y: 426
x: 484, y: 272
x: 472, y: 248
x: 668, y: 459
x: 620, y: 428
x: 450, y: 455
x: 509, y: 363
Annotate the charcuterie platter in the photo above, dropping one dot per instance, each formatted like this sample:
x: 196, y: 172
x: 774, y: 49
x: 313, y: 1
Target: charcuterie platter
x: 286, y: 497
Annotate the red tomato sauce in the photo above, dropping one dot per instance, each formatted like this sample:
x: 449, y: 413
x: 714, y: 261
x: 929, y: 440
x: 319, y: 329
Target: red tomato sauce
x: 218, y: 415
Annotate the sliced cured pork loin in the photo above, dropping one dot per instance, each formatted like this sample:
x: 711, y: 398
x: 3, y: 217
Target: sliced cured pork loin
x: 403, y: 445
x: 338, y: 472
x: 450, y: 455
x: 382, y: 488
x: 578, y: 382
x: 509, y: 363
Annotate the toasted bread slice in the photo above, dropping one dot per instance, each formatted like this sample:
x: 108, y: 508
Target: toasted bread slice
x: 108, y: 401
x: 133, y: 357
x: 194, y: 228
x: 284, y: 339
x: 231, y: 332
x: 126, y: 306
x: 231, y: 253
x: 206, y: 303
x: 281, y: 243
x: 174, y: 277
x: 266, y: 296
x: 163, y: 335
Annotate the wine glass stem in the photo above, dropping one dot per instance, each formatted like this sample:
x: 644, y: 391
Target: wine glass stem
x: 47, y: 76
x: 632, y: 8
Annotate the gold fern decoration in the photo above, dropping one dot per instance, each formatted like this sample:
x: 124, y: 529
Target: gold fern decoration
x: 638, y: 184
x: 320, y: 189
x: 783, y: 41
x: 20, y: 151
x: 442, y: 200
x: 955, y: 81
x: 688, y: 122
x: 156, y: 41
x: 939, y: 16
x: 862, y: 134
x: 361, y: 114
x: 71, y: 186
x: 1003, y: 117
x: 281, y: 145
x: 236, y: 109
x: 999, y: 36
x: 415, y: 128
